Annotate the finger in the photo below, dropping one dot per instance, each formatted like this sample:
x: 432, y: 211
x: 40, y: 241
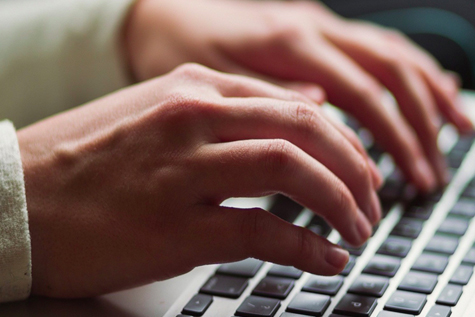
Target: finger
x: 355, y: 141
x: 257, y: 233
x: 351, y: 88
x: 310, y: 90
x: 261, y: 167
x: 444, y: 85
x: 305, y: 127
x: 416, y: 102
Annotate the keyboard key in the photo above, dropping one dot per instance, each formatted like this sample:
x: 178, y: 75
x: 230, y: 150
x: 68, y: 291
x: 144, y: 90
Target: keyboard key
x: 285, y: 271
x: 442, y: 244
x: 450, y: 295
x: 382, y: 265
x: 418, y: 282
x: 462, y: 275
x: 369, y: 285
x: 418, y: 212
x: 356, y: 251
x: 406, y: 302
x: 225, y: 286
x: 309, y: 304
x: 329, y: 285
x: 464, y: 143
x: 469, y: 257
x: 455, y: 226
x: 439, y: 311
x: 285, y: 314
x: 285, y: 208
x: 465, y: 207
x: 319, y: 226
x: 386, y: 313
x: 198, y: 305
x: 432, y: 263
x: 275, y: 287
x: 396, y: 246
x: 244, y: 268
x: 349, y: 266
x: 254, y: 306
x: 407, y: 227
x: 181, y: 315
x: 356, y: 305
x: 469, y: 192
x: 455, y: 158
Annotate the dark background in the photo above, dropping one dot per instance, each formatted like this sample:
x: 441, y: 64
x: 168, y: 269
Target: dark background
x: 446, y: 28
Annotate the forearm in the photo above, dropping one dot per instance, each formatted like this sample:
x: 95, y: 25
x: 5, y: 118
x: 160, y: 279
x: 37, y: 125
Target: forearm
x: 57, y: 54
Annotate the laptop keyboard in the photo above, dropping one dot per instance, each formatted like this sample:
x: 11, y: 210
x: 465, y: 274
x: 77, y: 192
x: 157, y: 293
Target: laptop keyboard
x: 400, y: 272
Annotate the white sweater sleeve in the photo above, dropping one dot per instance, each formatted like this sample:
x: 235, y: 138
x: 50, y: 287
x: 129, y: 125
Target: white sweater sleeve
x: 15, y: 253
x: 58, y: 54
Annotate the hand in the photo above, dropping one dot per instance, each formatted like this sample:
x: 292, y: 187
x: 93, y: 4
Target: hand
x: 304, y: 42
x: 127, y: 190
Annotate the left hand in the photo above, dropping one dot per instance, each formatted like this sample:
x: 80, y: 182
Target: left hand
x: 304, y: 43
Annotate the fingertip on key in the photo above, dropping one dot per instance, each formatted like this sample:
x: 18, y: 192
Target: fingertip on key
x: 337, y: 257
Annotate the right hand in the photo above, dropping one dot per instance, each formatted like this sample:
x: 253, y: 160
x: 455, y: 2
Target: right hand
x: 127, y: 190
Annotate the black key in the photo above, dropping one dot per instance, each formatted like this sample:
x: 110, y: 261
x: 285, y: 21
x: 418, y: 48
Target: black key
x: 275, y: 287
x: 418, y: 212
x: 309, y: 304
x: 462, y: 275
x: 369, y: 285
x: 319, y: 226
x: 181, y: 315
x: 450, y: 295
x: 464, y: 143
x: 285, y: 314
x: 356, y: 305
x: 439, y: 311
x: 198, y: 305
x: 465, y: 207
x: 244, y: 268
x: 469, y: 192
x: 386, y: 313
x: 406, y: 302
x: 349, y: 266
x: 396, y: 246
x: 382, y: 265
x: 375, y: 152
x: 392, y: 190
x: 254, y: 306
x: 418, y: 282
x: 442, y: 244
x: 285, y: 208
x: 407, y: 227
x: 329, y: 285
x: 225, y: 286
x: 469, y: 257
x: 432, y: 263
x: 356, y: 251
x: 285, y: 271
x: 455, y: 226
x: 455, y: 158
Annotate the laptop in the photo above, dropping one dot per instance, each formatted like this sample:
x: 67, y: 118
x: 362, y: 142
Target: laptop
x: 419, y: 261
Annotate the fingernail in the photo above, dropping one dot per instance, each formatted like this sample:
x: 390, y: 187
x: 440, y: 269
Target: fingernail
x: 425, y: 171
x: 375, y: 208
x: 363, y: 227
x: 336, y: 256
x: 377, y: 177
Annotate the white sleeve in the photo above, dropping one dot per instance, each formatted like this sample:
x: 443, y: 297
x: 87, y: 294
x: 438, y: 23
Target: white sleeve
x: 57, y: 54
x: 15, y: 249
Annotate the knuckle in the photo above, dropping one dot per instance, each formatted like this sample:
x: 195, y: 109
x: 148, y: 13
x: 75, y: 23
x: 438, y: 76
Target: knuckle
x: 279, y: 156
x: 192, y: 70
x: 306, y: 247
x: 343, y: 199
x: 250, y: 230
x: 306, y: 119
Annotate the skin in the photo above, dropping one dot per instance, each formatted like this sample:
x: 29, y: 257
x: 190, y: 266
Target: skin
x: 133, y: 183
x: 126, y: 190
x: 303, y: 43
